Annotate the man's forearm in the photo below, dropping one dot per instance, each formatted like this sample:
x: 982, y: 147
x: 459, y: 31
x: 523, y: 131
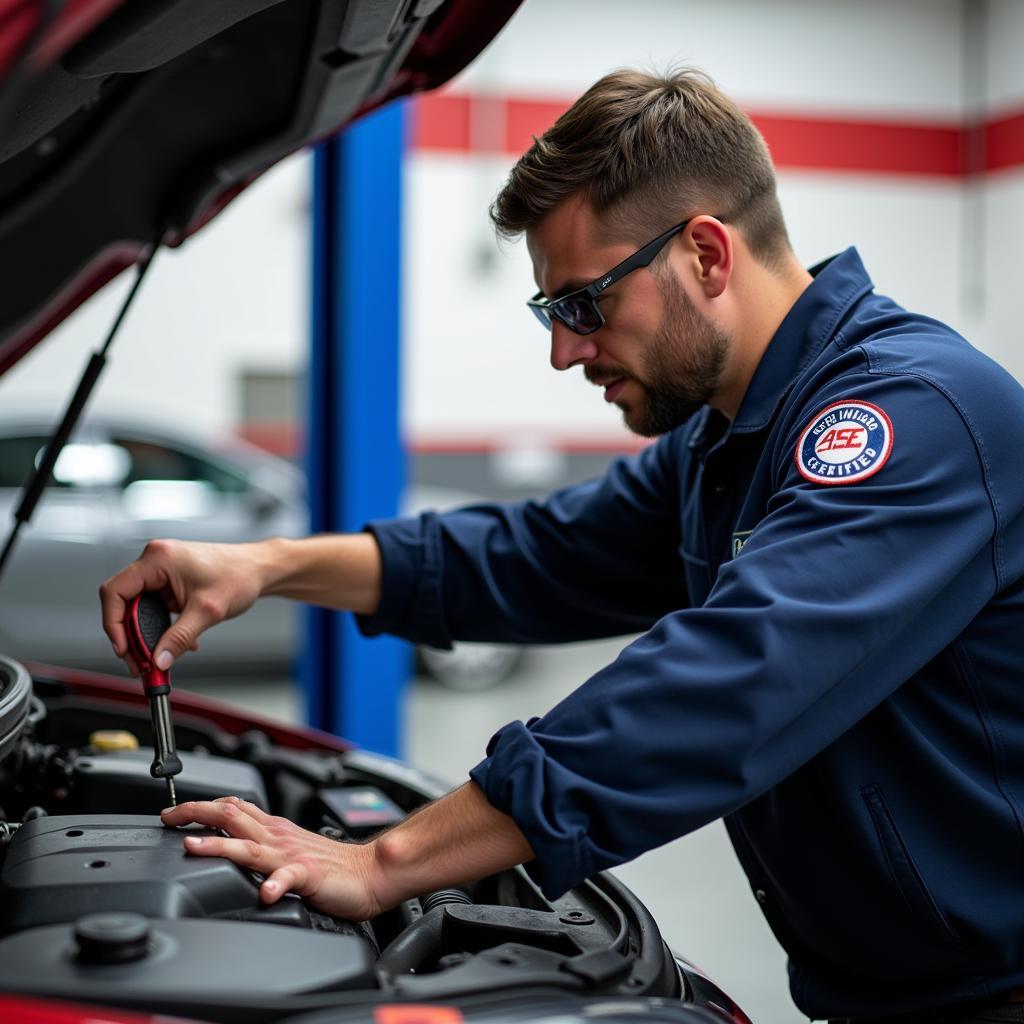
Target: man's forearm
x: 341, y: 571
x: 457, y: 839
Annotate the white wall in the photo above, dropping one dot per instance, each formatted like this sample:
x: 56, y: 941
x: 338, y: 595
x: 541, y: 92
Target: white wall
x: 1000, y: 213
x: 1004, y: 84
x: 234, y: 295
x: 863, y: 56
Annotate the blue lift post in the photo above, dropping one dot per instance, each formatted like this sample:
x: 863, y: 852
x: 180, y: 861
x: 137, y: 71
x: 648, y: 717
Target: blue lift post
x: 356, y: 464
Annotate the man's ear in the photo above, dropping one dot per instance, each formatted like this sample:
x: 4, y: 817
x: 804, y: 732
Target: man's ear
x: 712, y: 248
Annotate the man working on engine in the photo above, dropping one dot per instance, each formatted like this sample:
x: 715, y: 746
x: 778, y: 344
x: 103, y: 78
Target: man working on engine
x: 825, y: 549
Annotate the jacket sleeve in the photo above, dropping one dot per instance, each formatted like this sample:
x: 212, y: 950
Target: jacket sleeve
x: 840, y: 594
x: 597, y: 559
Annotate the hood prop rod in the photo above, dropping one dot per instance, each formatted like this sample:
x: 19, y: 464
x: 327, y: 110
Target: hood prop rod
x: 37, y: 481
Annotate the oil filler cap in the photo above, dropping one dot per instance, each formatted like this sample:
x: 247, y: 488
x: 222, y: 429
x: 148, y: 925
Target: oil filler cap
x: 112, y: 938
x: 106, y: 740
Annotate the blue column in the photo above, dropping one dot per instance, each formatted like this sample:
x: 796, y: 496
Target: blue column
x: 356, y: 466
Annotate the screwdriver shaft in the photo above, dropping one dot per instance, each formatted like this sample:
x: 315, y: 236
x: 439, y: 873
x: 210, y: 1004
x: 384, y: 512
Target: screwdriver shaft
x: 163, y: 737
x: 166, y: 763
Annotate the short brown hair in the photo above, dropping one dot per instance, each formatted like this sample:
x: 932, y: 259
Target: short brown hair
x: 646, y: 150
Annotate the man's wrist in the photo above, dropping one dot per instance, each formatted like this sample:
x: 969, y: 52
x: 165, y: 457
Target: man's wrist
x: 340, y: 571
x: 273, y: 562
x: 457, y: 839
x: 387, y: 866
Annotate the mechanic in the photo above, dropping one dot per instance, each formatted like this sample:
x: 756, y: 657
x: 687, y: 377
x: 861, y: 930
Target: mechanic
x: 824, y: 549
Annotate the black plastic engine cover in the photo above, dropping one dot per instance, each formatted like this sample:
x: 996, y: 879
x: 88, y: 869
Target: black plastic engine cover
x: 218, y: 970
x: 121, y: 780
x: 63, y: 867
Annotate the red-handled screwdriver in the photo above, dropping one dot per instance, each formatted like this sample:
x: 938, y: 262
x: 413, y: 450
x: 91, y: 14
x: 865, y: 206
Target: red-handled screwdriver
x: 148, y: 620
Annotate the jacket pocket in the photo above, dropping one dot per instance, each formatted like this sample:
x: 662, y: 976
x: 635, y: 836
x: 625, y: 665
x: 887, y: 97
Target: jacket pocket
x: 901, y: 865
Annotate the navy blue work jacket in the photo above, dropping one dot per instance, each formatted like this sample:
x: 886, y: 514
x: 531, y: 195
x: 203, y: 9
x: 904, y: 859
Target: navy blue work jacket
x: 831, y: 590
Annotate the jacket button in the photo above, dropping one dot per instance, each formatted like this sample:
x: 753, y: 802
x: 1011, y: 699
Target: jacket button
x: 761, y: 896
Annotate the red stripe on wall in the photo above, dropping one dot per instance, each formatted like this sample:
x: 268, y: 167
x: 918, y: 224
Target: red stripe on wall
x: 1004, y: 143
x: 441, y: 122
x: 284, y: 437
x: 861, y: 146
x: 461, y: 123
x: 527, y: 118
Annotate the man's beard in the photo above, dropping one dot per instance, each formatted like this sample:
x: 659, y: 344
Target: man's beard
x: 682, y: 366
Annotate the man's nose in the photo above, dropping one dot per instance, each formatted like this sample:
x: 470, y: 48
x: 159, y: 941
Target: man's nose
x: 569, y: 348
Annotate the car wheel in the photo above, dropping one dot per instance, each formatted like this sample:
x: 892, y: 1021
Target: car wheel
x: 470, y: 667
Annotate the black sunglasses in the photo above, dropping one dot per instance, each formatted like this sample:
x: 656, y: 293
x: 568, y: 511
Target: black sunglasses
x: 579, y: 310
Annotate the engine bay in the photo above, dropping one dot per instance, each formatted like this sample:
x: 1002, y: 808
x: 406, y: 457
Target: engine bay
x: 100, y: 903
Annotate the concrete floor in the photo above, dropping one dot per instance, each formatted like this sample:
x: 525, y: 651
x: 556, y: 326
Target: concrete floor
x: 694, y: 886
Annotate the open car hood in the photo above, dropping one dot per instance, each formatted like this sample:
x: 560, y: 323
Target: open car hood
x: 123, y: 123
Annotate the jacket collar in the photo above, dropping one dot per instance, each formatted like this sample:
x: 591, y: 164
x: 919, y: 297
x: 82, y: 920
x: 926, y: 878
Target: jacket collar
x: 807, y: 328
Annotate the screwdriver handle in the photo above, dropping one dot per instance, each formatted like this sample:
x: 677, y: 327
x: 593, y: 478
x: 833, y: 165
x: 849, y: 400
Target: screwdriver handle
x: 156, y: 682
x: 148, y: 619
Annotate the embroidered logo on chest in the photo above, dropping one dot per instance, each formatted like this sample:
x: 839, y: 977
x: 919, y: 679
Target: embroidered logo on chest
x: 845, y: 443
x: 738, y: 540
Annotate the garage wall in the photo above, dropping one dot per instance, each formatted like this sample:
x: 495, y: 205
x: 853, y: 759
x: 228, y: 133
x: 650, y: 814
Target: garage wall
x: 1000, y: 210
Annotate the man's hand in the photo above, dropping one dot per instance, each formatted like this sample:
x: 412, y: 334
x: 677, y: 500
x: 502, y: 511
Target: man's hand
x: 334, y: 877
x: 458, y: 839
x: 204, y: 583
x: 207, y: 583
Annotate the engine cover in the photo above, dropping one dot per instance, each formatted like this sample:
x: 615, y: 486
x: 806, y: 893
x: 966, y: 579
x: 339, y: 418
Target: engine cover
x: 224, y: 970
x: 62, y: 867
x: 121, y: 779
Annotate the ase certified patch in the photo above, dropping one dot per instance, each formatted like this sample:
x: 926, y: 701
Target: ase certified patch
x: 846, y: 442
